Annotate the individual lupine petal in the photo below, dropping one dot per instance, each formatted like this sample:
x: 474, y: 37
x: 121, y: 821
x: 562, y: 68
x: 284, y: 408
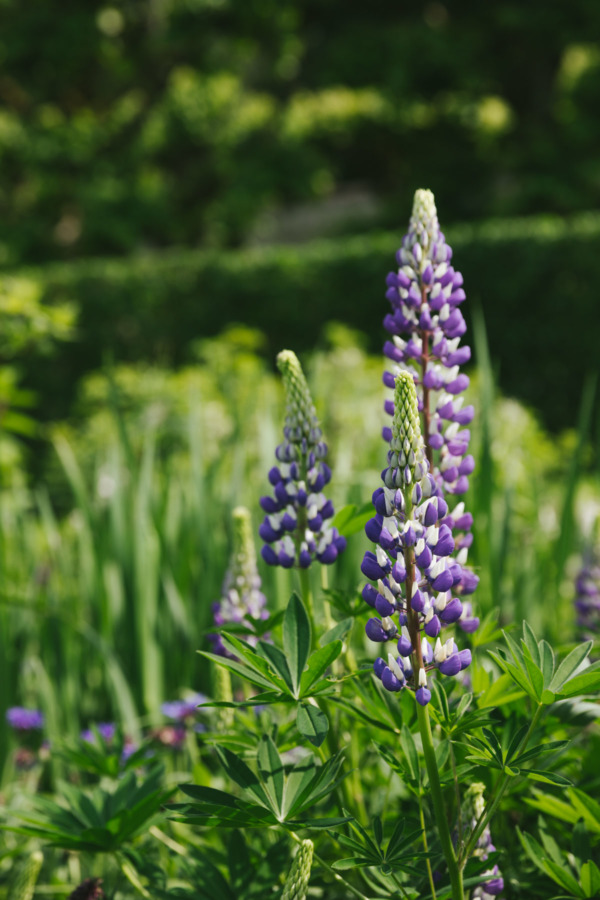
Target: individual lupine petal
x: 423, y: 694
x: 296, y: 883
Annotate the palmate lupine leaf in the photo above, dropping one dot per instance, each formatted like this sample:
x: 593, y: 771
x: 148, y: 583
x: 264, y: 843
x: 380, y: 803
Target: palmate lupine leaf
x: 286, y: 675
x: 548, y: 858
x: 399, y: 855
x: 96, y: 821
x: 532, y: 666
x: 269, y: 797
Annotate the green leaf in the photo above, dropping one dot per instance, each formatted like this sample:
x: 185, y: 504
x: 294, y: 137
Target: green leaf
x: 339, y: 632
x: 352, y: 519
x: 587, y: 806
x: 530, y: 641
x: 546, y: 662
x: 515, y: 742
x: 500, y: 692
x: 312, y: 723
x: 535, y: 675
x: 546, y: 777
x: 243, y: 776
x: 584, y: 683
x: 296, y: 639
x: 278, y: 661
x: 569, y: 665
x: 590, y: 878
x: 240, y: 669
x: 318, y: 663
x: 271, y: 770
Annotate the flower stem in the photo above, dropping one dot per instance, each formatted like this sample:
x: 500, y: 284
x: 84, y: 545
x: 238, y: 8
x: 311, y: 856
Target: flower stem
x: 439, y: 810
x: 307, y: 598
x: 426, y: 849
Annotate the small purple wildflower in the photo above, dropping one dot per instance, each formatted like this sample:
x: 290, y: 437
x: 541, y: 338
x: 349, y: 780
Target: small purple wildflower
x: 473, y: 808
x: 181, y: 710
x: 106, y: 730
x: 296, y: 528
x: 22, y: 719
x: 242, y: 601
x: 426, y: 325
x: 412, y: 567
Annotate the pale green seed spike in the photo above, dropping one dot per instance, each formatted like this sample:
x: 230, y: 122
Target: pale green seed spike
x: 243, y: 558
x: 223, y: 694
x: 474, y: 803
x: 407, y: 441
x: 296, y: 885
x: 24, y: 878
x: 424, y: 226
x: 301, y: 416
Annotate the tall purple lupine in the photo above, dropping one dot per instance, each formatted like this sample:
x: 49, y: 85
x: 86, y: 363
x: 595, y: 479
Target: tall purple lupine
x: 296, y: 528
x: 413, y: 569
x: 242, y: 600
x: 493, y: 885
x: 426, y: 325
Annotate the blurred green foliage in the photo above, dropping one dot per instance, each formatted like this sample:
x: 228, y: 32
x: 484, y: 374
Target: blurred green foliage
x: 129, y: 125
x: 524, y: 274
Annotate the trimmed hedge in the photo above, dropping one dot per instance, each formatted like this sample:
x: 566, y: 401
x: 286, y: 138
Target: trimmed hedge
x: 536, y: 280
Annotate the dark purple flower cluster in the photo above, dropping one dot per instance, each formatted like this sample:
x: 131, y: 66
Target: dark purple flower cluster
x: 242, y: 601
x: 426, y: 325
x: 474, y: 806
x: 296, y: 527
x: 22, y: 719
x: 413, y: 569
x: 587, y: 598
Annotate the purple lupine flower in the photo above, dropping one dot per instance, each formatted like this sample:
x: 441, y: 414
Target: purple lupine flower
x: 22, y: 719
x: 587, y: 596
x: 106, y: 730
x: 296, y: 528
x: 242, y: 601
x: 414, y: 573
x: 426, y: 325
x: 492, y: 884
x: 180, y: 710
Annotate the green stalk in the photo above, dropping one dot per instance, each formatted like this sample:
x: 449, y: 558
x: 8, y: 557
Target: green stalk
x: 439, y: 810
x: 426, y: 849
x: 307, y: 598
x: 492, y: 806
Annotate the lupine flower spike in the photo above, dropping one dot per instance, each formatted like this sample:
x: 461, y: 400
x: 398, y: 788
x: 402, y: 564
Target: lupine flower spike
x: 426, y: 325
x: 296, y: 528
x: 493, y: 885
x: 242, y: 600
x: 296, y: 884
x: 412, y: 567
